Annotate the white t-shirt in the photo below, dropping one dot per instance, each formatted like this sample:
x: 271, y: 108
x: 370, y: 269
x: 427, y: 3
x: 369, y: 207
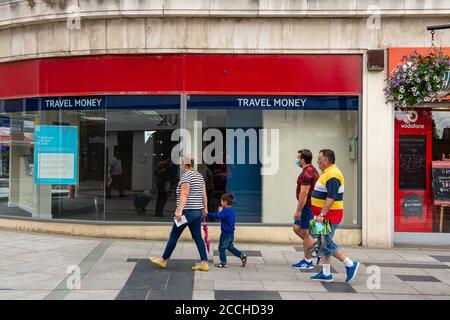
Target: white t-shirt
x: 116, y: 167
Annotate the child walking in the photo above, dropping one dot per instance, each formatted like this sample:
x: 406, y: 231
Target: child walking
x: 227, y: 215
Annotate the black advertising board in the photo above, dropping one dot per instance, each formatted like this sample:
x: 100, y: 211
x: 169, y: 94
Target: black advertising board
x: 412, y: 205
x: 412, y: 162
x: 441, y: 182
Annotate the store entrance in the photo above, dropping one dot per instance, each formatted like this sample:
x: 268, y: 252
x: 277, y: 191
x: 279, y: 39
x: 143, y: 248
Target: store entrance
x: 422, y: 171
x: 140, y: 176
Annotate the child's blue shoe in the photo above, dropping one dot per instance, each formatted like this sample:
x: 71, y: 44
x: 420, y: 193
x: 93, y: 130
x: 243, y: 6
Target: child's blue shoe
x: 322, y: 278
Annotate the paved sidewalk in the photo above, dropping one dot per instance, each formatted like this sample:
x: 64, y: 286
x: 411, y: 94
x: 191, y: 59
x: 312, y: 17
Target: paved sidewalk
x: 35, y: 266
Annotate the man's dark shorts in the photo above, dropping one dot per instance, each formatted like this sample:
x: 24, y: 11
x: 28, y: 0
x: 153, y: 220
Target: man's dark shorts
x: 305, y: 218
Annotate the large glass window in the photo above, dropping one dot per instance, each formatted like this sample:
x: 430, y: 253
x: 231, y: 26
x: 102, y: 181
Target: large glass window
x: 441, y: 170
x: 141, y: 176
x: 235, y: 167
x: 40, y: 176
x: 84, y: 198
x: 17, y: 190
x: 109, y: 158
x: 269, y: 197
x: 314, y: 130
x: 89, y: 158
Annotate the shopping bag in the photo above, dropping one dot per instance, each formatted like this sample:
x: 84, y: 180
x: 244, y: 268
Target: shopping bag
x: 319, y: 228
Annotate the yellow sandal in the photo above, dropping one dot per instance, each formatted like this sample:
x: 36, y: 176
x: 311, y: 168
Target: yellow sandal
x: 158, y: 261
x: 201, y: 267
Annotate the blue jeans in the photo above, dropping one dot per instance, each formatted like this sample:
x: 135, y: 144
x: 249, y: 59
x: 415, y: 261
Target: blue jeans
x: 226, y: 243
x: 332, y: 247
x: 194, y: 218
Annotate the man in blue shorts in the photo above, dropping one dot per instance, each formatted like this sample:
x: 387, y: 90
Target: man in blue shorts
x: 303, y: 214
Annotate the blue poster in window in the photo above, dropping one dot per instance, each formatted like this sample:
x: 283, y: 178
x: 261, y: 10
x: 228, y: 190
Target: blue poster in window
x: 55, y: 155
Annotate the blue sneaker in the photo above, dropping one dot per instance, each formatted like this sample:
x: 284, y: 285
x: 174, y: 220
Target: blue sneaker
x: 322, y: 278
x: 303, y: 265
x: 352, y: 271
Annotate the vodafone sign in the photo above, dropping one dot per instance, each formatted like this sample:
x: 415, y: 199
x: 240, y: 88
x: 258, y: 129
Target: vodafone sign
x: 409, y: 119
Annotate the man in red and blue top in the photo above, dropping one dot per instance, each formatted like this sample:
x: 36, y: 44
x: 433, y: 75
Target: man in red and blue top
x: 303, y: 214
x: 327, y: 203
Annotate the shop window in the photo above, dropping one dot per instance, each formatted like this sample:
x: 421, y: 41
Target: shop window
x: 141, y: 177
x: 313, y: 130
x: 325, y: 123
x: 441, y: 170
x: 238, y: 169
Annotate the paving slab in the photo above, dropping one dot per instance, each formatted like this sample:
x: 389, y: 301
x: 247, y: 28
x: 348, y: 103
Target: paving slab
x: 293, y: 286
x: 401, y: 297
x: 246, y: 295
x: 203, y: 295
x: 92, y: 295
x: 203, y: 285
x: 340, y: 296
x: 290, y: 295
x: 438, y: 297
x: 267, y: 276
x: 238, y: 285
x: 391, y: 288
x: 428, y: 288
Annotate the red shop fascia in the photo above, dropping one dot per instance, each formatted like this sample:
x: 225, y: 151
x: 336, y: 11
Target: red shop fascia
x: 327, y: 74
x: 413, y: 160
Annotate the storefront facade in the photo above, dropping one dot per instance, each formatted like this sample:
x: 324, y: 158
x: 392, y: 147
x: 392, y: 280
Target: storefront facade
x: 422, y: 168
x: 124, y: 84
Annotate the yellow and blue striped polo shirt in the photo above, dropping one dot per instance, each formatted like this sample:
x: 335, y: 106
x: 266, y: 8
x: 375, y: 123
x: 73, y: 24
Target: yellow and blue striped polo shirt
x: 329, y: 185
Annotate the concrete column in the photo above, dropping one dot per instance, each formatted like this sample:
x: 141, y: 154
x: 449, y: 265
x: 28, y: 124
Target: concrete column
x: 377, y: 217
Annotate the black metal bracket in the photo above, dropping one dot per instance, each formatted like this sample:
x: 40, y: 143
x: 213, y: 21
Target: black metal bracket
x: 438, y: 27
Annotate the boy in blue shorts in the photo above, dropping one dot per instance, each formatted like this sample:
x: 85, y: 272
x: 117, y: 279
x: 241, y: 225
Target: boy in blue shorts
x: 227, y: 215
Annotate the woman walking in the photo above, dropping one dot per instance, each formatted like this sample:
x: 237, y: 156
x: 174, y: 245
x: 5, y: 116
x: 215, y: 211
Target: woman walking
x: 192, y: 203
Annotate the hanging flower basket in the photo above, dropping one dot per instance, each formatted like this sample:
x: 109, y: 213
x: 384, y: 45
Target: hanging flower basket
x: 419, y: 79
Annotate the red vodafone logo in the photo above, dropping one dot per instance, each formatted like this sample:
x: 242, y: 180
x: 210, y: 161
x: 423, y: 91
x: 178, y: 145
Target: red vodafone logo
x: 409, y: 119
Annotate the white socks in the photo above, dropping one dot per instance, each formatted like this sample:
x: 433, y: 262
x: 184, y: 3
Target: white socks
x: 348, y: 263
x: 308, y: 260
x: 326, y: 269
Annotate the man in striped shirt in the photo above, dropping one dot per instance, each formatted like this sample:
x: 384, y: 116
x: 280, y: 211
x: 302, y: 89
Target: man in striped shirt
x: 327, y: 201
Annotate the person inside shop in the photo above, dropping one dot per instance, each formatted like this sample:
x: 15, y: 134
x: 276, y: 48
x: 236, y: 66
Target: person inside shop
x: 163, y: 182
x: 116, y: 175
